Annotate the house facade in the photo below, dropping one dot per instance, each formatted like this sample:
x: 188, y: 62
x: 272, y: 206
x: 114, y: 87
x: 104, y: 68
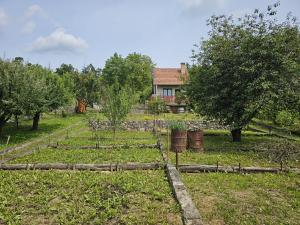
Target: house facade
x: 167, y: 81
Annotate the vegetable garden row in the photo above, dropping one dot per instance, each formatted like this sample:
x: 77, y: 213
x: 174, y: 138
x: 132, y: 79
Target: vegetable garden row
x: 93, y: 185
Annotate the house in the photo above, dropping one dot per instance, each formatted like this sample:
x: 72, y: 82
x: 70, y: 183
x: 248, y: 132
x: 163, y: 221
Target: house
x: 167, y: 81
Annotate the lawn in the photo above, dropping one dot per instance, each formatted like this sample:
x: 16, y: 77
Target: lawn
x: 246, y: 199
x: 60, y: 197
x: 87, y: 137
x: 49, y: 123
x: 49, y: 155
x: 219, y: 148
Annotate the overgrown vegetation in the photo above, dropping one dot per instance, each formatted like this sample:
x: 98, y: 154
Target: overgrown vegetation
x: 245, y: 199
x: 116, y: 103
x: 55, y: 197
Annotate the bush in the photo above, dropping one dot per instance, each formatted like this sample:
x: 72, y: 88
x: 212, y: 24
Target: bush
x: 285, y: 118
x: 157, y: 106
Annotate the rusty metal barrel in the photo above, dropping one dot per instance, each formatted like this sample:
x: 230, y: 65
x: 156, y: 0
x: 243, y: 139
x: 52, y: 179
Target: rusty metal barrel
x: 178, y: 140
x: 195, y: 140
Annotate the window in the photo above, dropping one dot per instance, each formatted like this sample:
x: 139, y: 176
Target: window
x: 167, y: 92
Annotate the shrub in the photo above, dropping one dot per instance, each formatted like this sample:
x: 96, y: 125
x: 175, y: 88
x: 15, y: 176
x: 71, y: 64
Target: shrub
x: 285, y: 118
x: 157, y: 106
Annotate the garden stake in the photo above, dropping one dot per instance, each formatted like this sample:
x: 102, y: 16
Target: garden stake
x: 176, y: 159
x: 168, y: 144
x: 239, y: 167
x: 281, y: 165
x: 217, y: 166
x: 8, y: 138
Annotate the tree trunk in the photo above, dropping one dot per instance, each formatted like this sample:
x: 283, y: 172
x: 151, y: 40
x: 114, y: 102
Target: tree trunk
x: 1, y: 128
x: 2, y: 123
x: 17, y: 121
x: 236, y: 135
x: 114, y: 135
x: 36, y: 120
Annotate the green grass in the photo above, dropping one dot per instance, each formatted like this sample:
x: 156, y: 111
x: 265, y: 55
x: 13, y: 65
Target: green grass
x: 48, y: 124
x: 228, y: 158
x: 246, y: 199
x: 91, y: 156
x: 222, y: 150
x: 60, y: 197
x: 105, y: 137
x: 267, y: 126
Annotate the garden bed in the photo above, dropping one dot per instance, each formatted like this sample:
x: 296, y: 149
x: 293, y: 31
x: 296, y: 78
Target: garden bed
x: 49, y: 155
x: 221, y: 150
x: 56, y: 197
x: 245, y: 199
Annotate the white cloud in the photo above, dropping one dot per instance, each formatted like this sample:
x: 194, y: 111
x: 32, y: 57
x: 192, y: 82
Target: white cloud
x: 29, y: 27
x: 3, y: 18
x: 30, y: 14
x: 59, y: 41
x: 32, y: 10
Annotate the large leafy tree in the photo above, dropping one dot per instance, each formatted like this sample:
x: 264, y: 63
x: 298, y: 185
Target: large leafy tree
x: 87, y: 88
x: 114, y: 70
x: 244, y: 66
x: 43, y: 91
x: 134, y: 71
x: 83, y: 86
x: 11, y: 86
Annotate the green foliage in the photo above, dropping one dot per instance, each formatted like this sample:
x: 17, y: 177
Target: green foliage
x: 65, y: 68
x: 11, y: 83
x: 177, y: 125
x: 134, y: 71
x: 29, y: 89
x: 114, y: 70
x: 84, y: 197
x: 139, y: 74
x: 92, y: 156
x: 85, y: 86
x: 244, y: 66
x: 285, y: 118
x: 157, y: 106
x: 116, y: 103
x: 181, y: 97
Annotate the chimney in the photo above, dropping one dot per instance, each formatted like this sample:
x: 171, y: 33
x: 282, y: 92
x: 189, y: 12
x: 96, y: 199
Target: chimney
x: 183, y: 69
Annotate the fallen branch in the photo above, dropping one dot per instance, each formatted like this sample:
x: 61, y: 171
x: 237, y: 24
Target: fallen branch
x: 93, y: 167
x: 126, y: 146
x: 231, y: 169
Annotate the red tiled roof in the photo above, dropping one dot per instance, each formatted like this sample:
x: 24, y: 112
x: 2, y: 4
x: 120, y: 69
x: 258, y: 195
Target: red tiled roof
x: 168, y: 76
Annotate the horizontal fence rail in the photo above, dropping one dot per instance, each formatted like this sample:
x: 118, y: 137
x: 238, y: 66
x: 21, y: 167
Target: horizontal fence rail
x: 232, y: 169
x: 93, y: 167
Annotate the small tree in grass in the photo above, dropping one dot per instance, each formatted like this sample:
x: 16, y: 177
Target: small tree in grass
x: 116, y: 104
x: 156, y: 107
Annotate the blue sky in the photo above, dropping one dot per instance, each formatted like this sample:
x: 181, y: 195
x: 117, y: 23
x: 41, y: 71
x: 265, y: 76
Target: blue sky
x: 81, y: 32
